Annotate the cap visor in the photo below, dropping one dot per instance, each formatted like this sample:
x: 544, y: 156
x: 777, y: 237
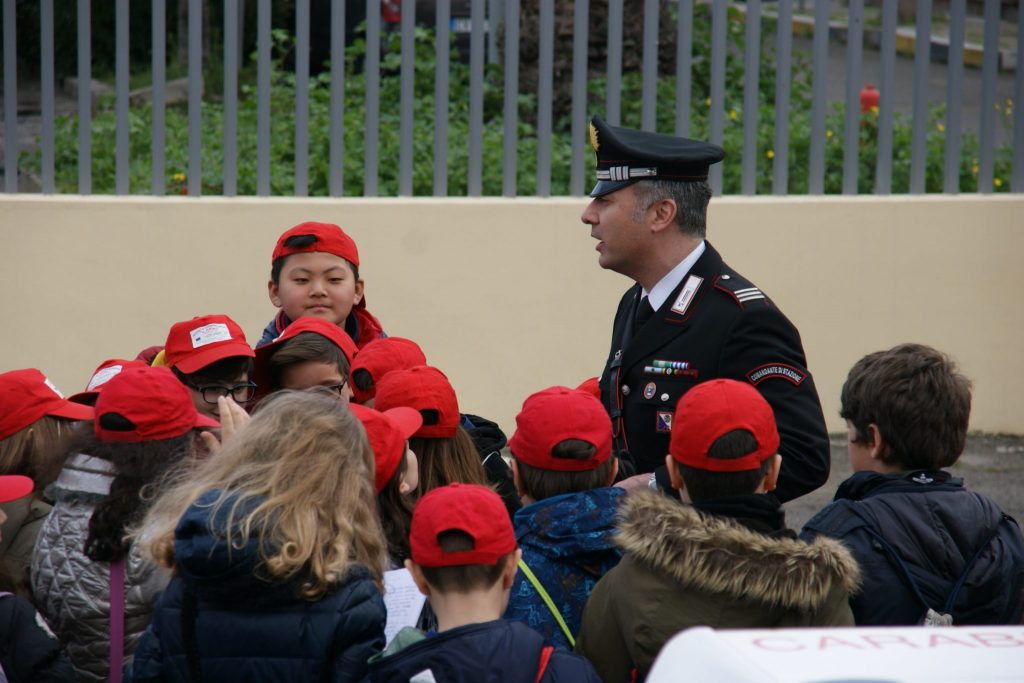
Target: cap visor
x: 408, y: 420
x: 204, y: 421
x: 85, y: 398
x: 198, y: 361
x: 73, y: 411
x: 13, y: 487
x: 604, y: 187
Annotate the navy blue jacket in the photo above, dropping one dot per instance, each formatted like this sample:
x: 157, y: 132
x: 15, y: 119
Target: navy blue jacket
x: 567, y: 544
x: 29, y: 652
x: 928, y: 526
x: 493, y: 651
x: 249, y: 629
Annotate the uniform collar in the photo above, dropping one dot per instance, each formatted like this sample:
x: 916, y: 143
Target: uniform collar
x: 666, y: 285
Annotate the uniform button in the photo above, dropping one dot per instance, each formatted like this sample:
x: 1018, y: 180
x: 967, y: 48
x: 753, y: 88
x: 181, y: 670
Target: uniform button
x: 625, y: 390
x: 725, y: 277
x: 664, y: 397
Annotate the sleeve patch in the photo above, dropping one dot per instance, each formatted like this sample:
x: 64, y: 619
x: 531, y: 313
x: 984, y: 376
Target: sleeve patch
x: 780, y: 370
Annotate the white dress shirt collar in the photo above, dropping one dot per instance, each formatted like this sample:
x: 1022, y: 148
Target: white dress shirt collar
x: 667, y: 284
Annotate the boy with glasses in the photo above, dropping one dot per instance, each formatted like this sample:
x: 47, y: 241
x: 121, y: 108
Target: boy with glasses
x: 210, y: 356
x: 311, y: 352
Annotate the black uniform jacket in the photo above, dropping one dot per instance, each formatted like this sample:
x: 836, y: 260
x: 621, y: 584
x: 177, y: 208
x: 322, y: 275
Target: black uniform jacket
x: 715, y: 324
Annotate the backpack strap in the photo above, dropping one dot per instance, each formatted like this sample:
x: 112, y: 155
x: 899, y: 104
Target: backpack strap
x: 542, y: 663
x: 539, y: 587
x: 116, y: 632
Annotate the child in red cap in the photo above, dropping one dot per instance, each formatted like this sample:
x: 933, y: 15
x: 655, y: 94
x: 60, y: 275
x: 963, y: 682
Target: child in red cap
x: 464, y: 559
x: 276, y: 552
x: 396, y: 472
x: 377, y: 359
x: 36, y: 423
x: 143, y: 429
x: 723, y: 558
x: 563, y: 467
x: 210, y: 356
x: 28, y: 649
x: 315, y: 272
x: 310, y: 353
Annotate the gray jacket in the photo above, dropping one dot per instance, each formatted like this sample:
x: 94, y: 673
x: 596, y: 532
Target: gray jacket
x: 73, y: 591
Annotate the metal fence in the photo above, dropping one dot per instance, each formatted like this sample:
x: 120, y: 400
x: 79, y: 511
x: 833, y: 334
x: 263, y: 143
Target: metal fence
x: 484, y: 17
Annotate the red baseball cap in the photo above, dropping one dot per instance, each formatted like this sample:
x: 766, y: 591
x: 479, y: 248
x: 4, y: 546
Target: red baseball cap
x: 153, y: 400
x: 327, y: 237
x: 194, y: 344
x: 380, y: 357
x: 715, y: 408
x: 554, y: 415
x: 387, y: 433
x: 27, y: 395
x: 473, y: 509
x: 325, y: 328
x: 14, y: 486
x: 590, y: 386
x: 104, y: 372
x: 422, y: 388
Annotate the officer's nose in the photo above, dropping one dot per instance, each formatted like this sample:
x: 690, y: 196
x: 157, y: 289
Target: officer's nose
x: 589, y: 215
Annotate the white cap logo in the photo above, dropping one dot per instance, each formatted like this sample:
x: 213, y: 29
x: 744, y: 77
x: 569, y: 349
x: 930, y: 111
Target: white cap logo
x: 209, y: 334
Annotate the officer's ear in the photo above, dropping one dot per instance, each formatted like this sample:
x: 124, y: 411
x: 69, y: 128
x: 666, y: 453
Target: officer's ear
x: 662, y: 215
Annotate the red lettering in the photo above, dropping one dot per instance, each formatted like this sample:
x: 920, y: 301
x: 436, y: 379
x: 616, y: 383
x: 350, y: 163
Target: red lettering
x: 882, y: 640
x: 829, y: 641
x: 937, y: 640
x: 997, y: 640
x: 765, y: 644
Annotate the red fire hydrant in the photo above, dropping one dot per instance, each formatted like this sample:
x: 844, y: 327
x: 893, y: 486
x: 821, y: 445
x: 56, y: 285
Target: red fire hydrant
x: 868, y: 98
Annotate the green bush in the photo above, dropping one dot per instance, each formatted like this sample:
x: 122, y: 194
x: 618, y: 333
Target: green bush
x: 282, y: 157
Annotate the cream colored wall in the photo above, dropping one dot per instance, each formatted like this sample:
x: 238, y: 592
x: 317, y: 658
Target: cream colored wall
x: 506, y: 296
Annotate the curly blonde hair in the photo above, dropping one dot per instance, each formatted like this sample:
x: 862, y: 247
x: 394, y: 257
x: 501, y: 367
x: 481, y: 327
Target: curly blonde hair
x: 299, y: 476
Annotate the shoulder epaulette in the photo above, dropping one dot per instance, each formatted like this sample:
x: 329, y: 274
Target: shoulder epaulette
x: 739, y: 289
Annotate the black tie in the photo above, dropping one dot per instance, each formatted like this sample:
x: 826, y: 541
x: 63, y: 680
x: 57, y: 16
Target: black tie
x: 644, y: 311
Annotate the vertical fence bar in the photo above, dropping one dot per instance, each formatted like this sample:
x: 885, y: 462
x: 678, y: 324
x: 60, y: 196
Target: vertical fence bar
x: 545, y: 87
x: 684, y: 64
x: 784, y: 57
x: 851, y: 123
x: 750, y: 99
x: 1018, y: 111
x: 442, y: 49
x: 10, y: 98
x: 649, y: 94
x: 84, y: 99
x: 719, y: 18
x: 613, y: 94
x: 886, y: 89
x: 954, y: 94
x: 490, y: 29
x: 819, y: 90
x: 580, y: 40
x: 336, y: 155
x: 230, y: 144
x: 989, y: 69
x: 476, y: 99
x: 157, y: 143
x: 511, y: 142
x: 407, y: 93
x: 46, y: 93
x: 301, y: 98
x: 195, y: 98
x: 121, y: 106
x: 263, y: 97
x: 918, y: 139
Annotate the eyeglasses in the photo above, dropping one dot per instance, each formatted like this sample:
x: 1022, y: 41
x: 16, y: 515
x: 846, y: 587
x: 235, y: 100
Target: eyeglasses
x: 241, y: 393
x: 338, y: 389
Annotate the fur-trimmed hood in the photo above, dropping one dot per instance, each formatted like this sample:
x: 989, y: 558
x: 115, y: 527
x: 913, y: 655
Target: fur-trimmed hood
x: 719, y: 555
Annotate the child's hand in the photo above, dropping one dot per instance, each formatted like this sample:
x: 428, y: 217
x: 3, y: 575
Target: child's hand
x: 637, y: 482
x: 232, y: 419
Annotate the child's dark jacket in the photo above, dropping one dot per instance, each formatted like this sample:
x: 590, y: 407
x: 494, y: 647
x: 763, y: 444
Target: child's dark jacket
x: 249, y: 629
x: 29, y: 652
x: 567, y: 542
x: 360, y: 324
x: 493, y: 651
x: 730, y: 564
x: 935, y: 526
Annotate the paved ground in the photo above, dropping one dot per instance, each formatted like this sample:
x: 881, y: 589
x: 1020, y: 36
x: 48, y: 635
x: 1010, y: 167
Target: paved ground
x: 993, y: 465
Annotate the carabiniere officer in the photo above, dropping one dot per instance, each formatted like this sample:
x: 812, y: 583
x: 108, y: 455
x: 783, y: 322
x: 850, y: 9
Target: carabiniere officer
x: 689, y: 317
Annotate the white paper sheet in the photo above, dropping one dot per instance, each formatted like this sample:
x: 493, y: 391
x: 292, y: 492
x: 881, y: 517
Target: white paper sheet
x: 403, y: 601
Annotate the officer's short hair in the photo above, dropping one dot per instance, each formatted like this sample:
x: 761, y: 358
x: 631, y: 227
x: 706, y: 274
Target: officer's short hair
x: 541, y: 483
x: 917, y: 398
x: 704, y: 484
x: 691, y: 198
